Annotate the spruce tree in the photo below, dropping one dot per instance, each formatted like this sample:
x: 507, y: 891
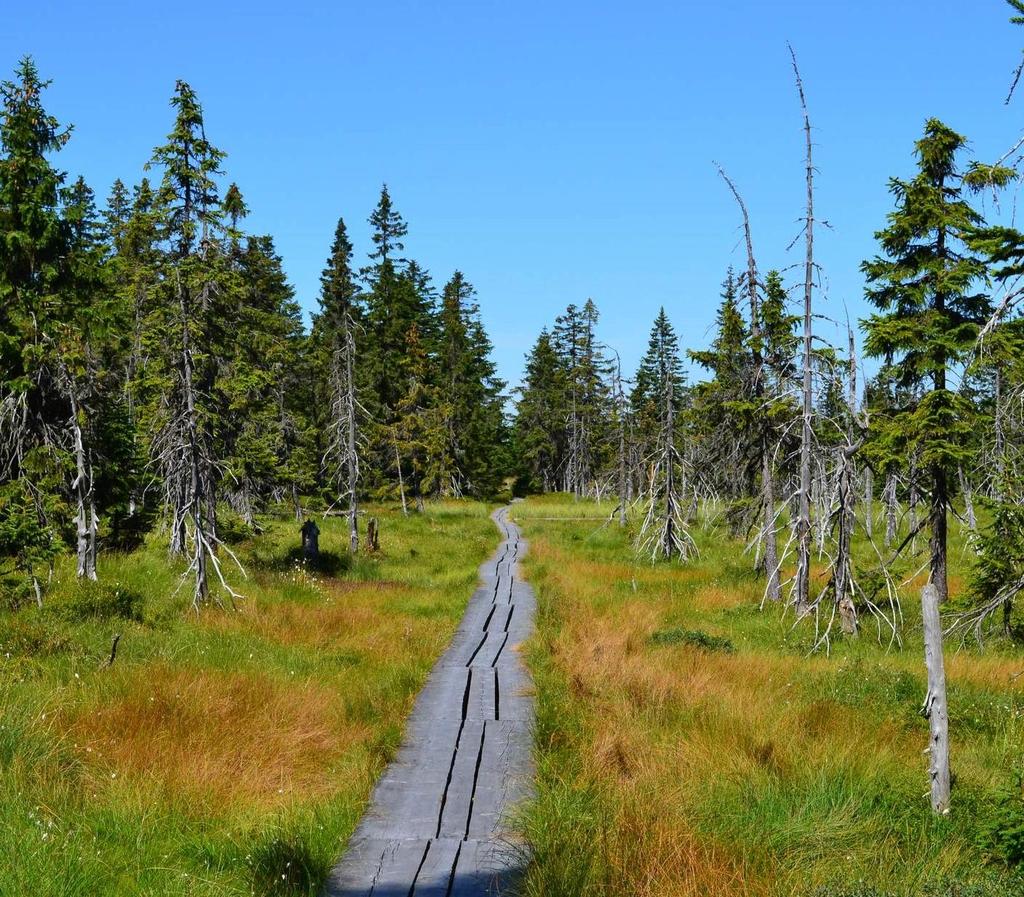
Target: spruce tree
x: 89, y: 345
x: 929, y: 289
x: 470, y: 394
x: 660, y: 363
x: 539, y: 432
x: 588, y: 395
x: 335, y: 331
x: 254, y: 433
x: 663, y: 532
x: 187, y: 328
x: 724, y: 406
x: 33, y: 274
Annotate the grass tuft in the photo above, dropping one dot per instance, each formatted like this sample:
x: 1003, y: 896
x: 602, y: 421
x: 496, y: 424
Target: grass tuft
x: 694, y: 637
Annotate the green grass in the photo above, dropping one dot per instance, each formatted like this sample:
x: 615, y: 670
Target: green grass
x: 669, y: 768
x: 231, y: 753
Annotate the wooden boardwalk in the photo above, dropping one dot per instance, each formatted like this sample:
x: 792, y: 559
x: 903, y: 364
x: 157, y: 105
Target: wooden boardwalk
x: 437, y: 823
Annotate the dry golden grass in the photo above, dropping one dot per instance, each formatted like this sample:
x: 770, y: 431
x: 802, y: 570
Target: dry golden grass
x: 349, y: 617
x: 216, y: 738
x: 761, y: 771
x: 652, y: 853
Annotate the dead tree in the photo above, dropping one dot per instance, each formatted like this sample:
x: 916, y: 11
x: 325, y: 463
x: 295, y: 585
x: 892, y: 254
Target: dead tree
x: 998, y: 448
x: 338, y: 296
x: 770, y: 555
x: 965, y: 488
x: 890, y: 498
x: 664, y: 532
x: 398, y: 467
x: 622, y: 461
x: 935, y: 708
x: 842, y: 579
x: 343, y: 447
x: 191, y: 456
x: 803, y: 525
x: 851, y: 402
x: 869, y: 502
x: 85, y: 497
x: 194, y: 273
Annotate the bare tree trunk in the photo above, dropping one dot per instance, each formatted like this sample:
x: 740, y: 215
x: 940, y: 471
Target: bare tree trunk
x: 843, y: 573
x: 940, y: 485
x: 937, y: 512
x: 890, y: 508
x: 344, y: 444
x: 197, y: 495
x: 178, y: 536
x: 83, y: 496
x: 210, y: 480
x: 401, y: 482
x: 851, y: 435
x: 353, y: 456
x: 93, y: 529
x: 769, y: 546
x: 623, y: 485
x: 1000, y: 442
x: 246, y: 505
x: 965, y: 488
x: 803, y: 529
x: 912, y: 503
x: 669, y: 536
x: 771, y: 549
x: 869, y: 502
x: 848, y: 503
x: 935, y: 709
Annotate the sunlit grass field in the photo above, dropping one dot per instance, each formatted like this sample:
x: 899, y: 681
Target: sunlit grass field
x: 689, y: 743
x: 230, y: 753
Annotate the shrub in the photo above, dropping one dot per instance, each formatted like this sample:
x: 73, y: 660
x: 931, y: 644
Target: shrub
x: 1001, y: 832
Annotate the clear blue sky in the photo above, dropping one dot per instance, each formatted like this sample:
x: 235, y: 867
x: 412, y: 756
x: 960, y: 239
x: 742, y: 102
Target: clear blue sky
x: 551, y: 150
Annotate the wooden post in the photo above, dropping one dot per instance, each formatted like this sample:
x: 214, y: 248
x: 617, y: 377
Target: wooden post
x: 935, y: 709
x: 310, y: 540
x: 372, y: 534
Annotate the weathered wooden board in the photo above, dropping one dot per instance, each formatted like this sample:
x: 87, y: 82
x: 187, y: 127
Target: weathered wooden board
x: 437, y: 824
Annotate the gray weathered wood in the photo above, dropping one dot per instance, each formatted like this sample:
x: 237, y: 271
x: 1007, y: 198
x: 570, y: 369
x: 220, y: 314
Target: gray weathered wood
x: 438, y: 820
x: 935, y: 708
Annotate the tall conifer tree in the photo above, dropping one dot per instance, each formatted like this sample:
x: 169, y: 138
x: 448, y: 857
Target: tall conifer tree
x: 929, y: 289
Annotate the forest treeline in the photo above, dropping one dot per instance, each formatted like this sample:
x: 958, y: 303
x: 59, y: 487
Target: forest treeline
x: 156, y: 374
x: 785, y: 439
x: 155, y: 370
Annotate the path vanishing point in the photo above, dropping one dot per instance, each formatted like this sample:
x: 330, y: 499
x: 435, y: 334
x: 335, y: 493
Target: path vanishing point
x: 438, y: 821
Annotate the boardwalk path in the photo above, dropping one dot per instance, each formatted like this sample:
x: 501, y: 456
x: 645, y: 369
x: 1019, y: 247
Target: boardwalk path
x: 437, y: 821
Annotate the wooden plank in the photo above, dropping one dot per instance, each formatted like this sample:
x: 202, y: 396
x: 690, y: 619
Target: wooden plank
x: 437, y: 820
x: 504, y: 776
x: 459, y: 796
x: 486, y: 868
x: 399, y: 868
x: 377, y: 867
x: 438, y: 868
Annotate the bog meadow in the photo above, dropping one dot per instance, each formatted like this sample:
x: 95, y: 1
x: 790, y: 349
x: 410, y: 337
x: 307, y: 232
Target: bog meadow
x: 778, y: 638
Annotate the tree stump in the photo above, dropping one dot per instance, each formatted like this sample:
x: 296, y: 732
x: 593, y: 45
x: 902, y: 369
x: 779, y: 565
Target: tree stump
x: 310, y: 541
x: 372, y: 535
